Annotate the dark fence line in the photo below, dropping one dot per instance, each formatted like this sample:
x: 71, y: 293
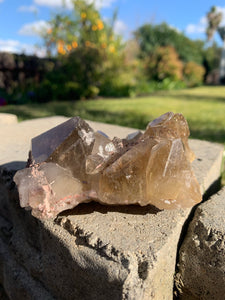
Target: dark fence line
x: 19, y: 69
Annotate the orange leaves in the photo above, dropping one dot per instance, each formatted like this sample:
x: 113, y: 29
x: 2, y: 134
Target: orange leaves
x: 60, y: 47
x: 104, y: 45
x: 193, y: 73
x: 61, y: 42
x: 85, y: 28
x: 87, y: 43
x: 63, y: 48
x: 165, y: 63
x: 74, y: 44
x: 112, y: 48
x: 49, y: 31
x: 100, y: 24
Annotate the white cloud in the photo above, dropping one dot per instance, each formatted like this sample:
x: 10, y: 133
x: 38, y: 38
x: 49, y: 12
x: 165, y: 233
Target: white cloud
x: 201, y: 26
x: 101, y: 3
x: 15, y: 46
x: 30, y: 8
x: 69, y: 3
x: 192, y: 28
x: 197, y: 28
x: 9, y: 45
x: 1, y: 1
x: 120, y: 27
x: 35, y: 28
x: 55, y: 3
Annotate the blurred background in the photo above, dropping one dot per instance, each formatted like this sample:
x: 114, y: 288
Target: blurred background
x: 115, y: 61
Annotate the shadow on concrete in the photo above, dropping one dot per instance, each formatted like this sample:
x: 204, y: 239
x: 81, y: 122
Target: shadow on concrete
x: 47, y: 268
x: 14, y: 165
x: 88, y: 208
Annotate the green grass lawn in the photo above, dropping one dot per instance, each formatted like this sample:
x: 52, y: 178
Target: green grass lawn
x: 203, y: 107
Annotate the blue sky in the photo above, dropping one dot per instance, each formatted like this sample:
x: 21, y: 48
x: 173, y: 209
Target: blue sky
x: 20, y: 20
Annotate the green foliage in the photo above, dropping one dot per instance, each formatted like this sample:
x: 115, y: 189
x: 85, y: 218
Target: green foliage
x: 168, y: 84
x: 83, y: 66
x: 202, y: 106
x: 91, y: 54
x: 212, y: 56
x: 87, y: 60
x: 145, y: 87
x: 151, y: 36
x: 81, y: 28
x: 164, y: 63
x: 169, y: 55
x: 193, y: 74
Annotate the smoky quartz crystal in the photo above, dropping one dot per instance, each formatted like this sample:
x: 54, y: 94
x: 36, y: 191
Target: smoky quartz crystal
x: 71, y: 164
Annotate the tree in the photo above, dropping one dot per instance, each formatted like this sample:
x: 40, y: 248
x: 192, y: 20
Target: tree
x: 212, y: 56
x: 214, y: 19
x: 164, y: 63
x: 83, y: 27
x: 151, y: 36
x: 193, y: 73
x: 90, y: 51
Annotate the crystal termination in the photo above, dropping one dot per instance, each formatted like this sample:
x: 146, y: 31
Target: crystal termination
x: 71, y: 164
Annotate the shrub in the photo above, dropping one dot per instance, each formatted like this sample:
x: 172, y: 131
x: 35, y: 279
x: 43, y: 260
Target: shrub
x: 193, y: 74
x: 72, y: 90
x: 168, y: 84
x: 90, y: 52
x: 164, y: 63
x: 46, y: 91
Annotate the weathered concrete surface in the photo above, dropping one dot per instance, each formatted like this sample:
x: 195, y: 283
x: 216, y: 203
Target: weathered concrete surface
x: 6, y: 119
x: 94, y: 251
x: 15, y: 140
x: 15, y: 250
x: 201, y: 272
x: 208, y: 163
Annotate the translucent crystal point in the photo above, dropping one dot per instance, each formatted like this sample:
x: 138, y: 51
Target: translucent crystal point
x: 72, y: 164
x: 48, y: 189
x: 67, y: 144
x: 171, y: 126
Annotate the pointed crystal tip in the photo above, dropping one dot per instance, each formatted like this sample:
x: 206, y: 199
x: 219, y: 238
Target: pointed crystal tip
x: 71, y: 164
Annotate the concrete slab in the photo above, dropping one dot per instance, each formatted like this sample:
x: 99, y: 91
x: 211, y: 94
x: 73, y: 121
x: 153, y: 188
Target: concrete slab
x: 101, y: 252
x: 17, y: 282
x: 7, y: 119
x: 144, y: 238
x: 201, y: 273
x: 15, y: 140
x: 208, y: 161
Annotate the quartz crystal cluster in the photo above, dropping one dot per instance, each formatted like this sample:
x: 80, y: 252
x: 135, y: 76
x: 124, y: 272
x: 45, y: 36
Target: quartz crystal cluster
x: 71, y: 163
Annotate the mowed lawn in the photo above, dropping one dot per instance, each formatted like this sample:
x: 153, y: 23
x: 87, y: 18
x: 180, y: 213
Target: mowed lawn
x: 203, y: 107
